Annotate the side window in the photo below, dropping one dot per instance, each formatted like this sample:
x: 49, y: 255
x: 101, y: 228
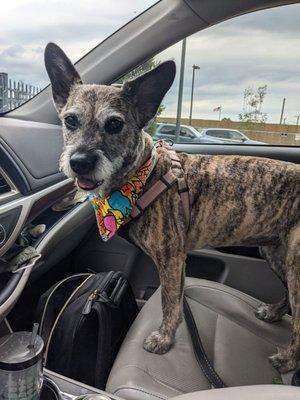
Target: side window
x: 218, y: 134
x: 235, y: 135
x: 247, y: 80
x: 185, y: 132
x: 22, y: 69
x: 167, y: 130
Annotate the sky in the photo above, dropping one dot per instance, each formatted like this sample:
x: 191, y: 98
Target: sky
x: 261, y: 48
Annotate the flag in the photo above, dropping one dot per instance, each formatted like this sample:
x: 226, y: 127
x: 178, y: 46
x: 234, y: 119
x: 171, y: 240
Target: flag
x: 217, y: 108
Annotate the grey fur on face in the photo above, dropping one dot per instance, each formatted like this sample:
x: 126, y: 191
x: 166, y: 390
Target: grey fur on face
x: 116, y: 155
x: 237, y: 200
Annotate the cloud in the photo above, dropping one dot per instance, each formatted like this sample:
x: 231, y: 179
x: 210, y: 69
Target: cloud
x: 75, y: 25
x: 250, y: 50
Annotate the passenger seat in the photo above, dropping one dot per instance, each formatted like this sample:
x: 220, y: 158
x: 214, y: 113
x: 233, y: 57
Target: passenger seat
x: 236, y: 342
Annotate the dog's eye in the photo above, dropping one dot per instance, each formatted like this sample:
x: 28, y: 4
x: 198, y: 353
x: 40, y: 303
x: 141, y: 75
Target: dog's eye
x: 71, y: 122
x: 113, y: 125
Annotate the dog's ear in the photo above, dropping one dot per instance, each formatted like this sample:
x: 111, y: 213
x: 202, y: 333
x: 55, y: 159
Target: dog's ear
x: 62, y: 74
x: 148, y: 90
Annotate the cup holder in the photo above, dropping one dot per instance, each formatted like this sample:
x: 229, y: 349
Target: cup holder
x: 50, y: 390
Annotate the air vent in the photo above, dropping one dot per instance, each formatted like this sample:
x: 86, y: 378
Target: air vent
x: 4, y: 186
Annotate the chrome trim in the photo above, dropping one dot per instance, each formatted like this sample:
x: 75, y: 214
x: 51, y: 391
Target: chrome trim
x: 91, y: 390
x: 10, y: 302
x: 4, y: 232
x: 26, y: 203
x: 34, y: 260
x: 13, y: 188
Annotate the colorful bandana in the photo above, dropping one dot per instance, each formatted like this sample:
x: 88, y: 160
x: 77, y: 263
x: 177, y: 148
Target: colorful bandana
x: 114, y: 210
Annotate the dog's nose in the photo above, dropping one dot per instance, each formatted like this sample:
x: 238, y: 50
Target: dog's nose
x: 83, y: 163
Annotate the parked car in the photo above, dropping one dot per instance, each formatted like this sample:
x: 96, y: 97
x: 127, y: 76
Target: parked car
x: 189, y: 134
x: 226, y: 136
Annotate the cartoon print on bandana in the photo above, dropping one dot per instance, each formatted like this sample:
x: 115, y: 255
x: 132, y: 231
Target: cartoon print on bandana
x: 114, y: 210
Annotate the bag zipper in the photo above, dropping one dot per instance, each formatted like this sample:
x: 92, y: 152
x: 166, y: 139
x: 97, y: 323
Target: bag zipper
x: 95, y: 294
x: 90, y: 301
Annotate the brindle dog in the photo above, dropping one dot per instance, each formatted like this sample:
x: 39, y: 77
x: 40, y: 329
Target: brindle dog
x: 237, y: 200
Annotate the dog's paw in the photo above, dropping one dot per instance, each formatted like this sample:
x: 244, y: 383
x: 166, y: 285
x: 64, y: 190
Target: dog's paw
x: 158, y: 343
x: 283, y: 361
x: 269, y: 313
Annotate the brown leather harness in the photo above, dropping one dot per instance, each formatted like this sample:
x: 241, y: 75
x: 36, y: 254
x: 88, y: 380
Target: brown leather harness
x: 163, y: 184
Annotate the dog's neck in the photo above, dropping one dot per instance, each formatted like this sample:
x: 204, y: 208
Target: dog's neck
x: 147, y: 148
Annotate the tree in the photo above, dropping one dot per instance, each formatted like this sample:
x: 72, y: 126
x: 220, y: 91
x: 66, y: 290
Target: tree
x: 136, y: 72
x: 252, y: 105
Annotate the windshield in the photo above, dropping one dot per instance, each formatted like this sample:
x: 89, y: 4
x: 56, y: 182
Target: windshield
x: 76, y: 25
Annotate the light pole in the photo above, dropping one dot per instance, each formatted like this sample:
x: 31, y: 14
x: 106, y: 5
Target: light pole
x: 192, y: 92
x: 282, y: 111
x: 181, y: 78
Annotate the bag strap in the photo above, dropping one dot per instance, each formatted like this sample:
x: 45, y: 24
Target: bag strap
x: 57, y: 286
x: 59, y: 316
x: 201, y: 357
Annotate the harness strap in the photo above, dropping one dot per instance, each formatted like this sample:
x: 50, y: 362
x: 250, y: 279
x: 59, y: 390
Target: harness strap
x: 158, y: 188
x: 161, y: 186
x: 183, y: 189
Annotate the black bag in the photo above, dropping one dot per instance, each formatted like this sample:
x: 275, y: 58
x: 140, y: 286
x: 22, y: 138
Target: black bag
x: 83, y: 321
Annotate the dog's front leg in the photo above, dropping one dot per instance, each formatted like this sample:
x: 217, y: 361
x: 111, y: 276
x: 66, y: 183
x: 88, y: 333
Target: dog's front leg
x: 171, y: 272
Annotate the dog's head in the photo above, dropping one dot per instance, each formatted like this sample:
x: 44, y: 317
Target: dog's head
x: 102, y: 125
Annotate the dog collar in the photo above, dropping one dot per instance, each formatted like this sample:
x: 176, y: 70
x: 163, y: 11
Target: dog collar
x: 114, y: 210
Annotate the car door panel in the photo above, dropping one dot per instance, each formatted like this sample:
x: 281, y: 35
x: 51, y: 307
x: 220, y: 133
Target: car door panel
x: 29, y: 172
x: 30, y: 153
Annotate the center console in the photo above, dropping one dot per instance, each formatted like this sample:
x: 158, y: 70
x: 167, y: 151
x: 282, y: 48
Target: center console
x: 69, y: 389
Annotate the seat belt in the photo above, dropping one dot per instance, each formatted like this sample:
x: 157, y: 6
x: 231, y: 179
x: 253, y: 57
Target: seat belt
x: 201, y: 357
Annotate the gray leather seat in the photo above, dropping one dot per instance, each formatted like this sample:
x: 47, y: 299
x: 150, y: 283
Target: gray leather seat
x: 259, y: 392
x: 236, y: 342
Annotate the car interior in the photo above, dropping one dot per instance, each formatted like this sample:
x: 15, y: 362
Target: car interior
x: 223, y: 286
